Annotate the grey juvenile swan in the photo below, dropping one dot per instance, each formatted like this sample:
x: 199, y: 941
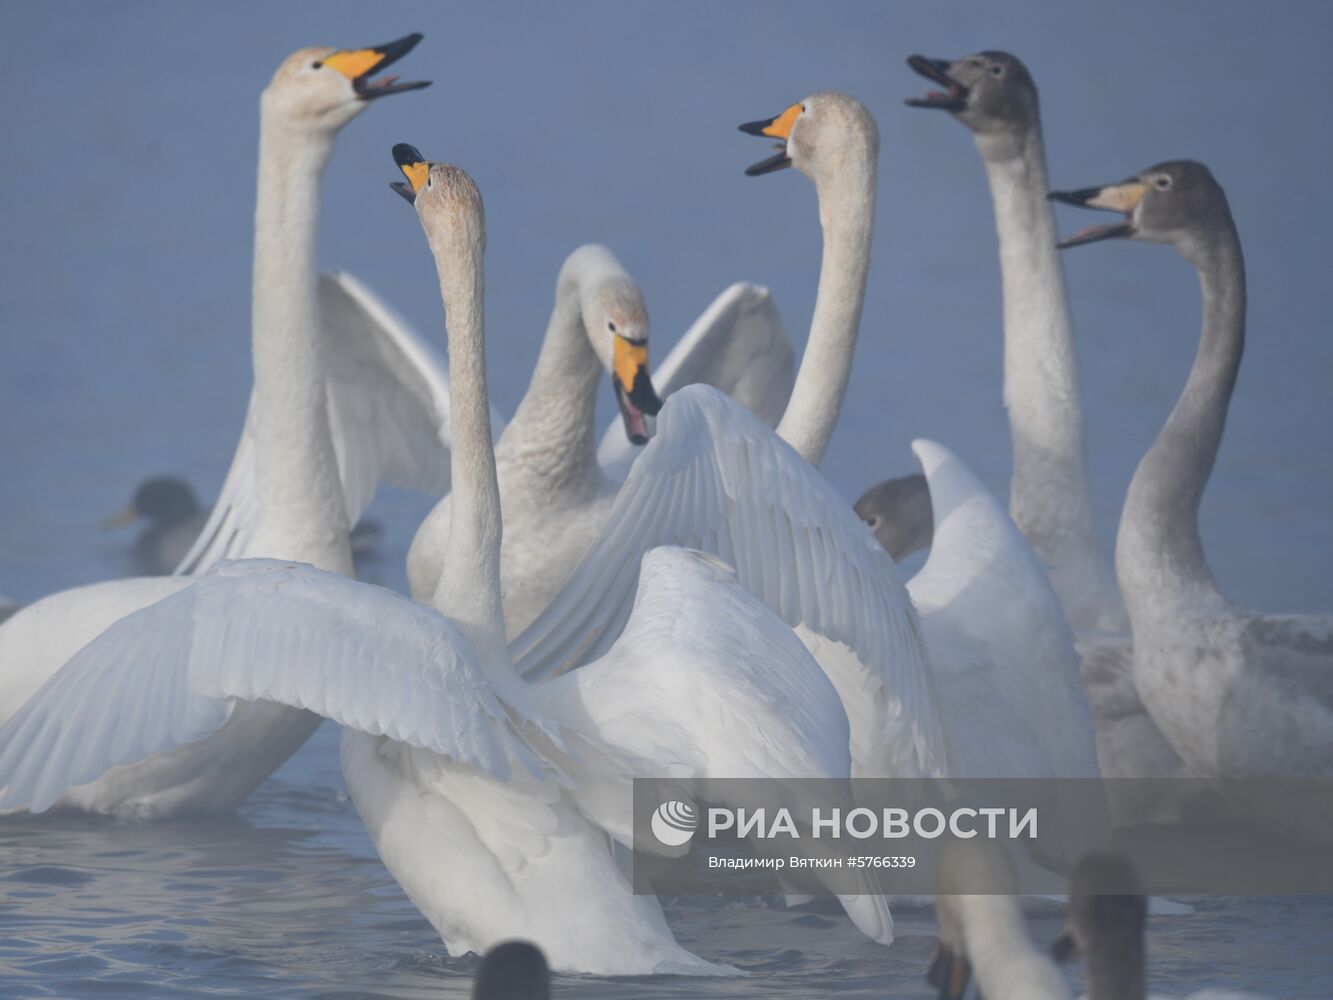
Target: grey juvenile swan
x: 1238, y: 694
x: 994, y: 95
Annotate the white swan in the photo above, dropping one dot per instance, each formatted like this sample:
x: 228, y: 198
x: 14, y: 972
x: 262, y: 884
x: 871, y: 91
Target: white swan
x: 554, y: 490
x: 480, y: 792
x: 982, y: 930
x: 300, y: 511
x: 994, y: 95
x: 717, y: 479
x: 1238, y: 694
x: 714, y: 480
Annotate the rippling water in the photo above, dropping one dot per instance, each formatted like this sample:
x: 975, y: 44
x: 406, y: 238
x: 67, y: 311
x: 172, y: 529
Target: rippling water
x: 127, y: 193
x: 289, y: 899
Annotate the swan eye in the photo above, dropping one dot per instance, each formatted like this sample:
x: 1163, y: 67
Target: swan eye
x: 316, y: 65
x: 873, y: 521
x: 610, y: 326
x: 1162, y: 183
x: 997, y: 71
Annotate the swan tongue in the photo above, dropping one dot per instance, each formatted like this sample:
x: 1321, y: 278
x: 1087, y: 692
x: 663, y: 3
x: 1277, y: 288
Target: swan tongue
x: 954, y: 95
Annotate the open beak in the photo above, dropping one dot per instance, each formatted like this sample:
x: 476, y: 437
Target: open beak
x: 634, y: 388
x: 778, y: 127
x: 1124, y: 197
x: 415, y: 167
x: 949, y: 973
x: 127, y: 516
x: 954, y: 95
x: 360, y: 65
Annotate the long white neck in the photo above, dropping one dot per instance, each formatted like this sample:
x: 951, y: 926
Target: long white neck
x: 847, y: 217
x: 469, y: 587
x: 301, y: 513
x: 551, y: 444
x: 1049, y: 495
x: 1002, y: 955
x: 1159, y: 554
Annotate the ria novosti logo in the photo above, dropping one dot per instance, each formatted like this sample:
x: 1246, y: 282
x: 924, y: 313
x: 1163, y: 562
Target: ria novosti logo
x: 674, y: 823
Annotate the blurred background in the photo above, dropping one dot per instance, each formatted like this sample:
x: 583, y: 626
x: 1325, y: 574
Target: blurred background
x: 128, y: 195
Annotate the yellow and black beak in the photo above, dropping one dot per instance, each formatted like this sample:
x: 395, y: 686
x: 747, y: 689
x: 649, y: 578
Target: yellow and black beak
x: 949, y: 973
x: 635, y: 394
x: 415, y: 167
x: 954, y: 95
x: 360, y: 65
x: 1123, y: 197
x: 778, y: 127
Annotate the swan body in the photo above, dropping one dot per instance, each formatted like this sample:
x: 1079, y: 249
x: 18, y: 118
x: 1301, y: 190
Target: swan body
x: 1237, y: 694
x: 556, y: 484
x: 300, y: 513
x: 487, y: 798
x: 984, y: 933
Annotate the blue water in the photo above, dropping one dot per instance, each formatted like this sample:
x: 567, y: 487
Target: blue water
x: 126, y: 189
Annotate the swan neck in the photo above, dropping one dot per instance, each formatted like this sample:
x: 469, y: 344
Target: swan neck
x: 1114, y: 969
x: 1002, y: 954
x: 552, y: 438
x: 1050, y: 499
x: 1159, y: 554
x: 847, y: 217
x: 301, y: 511
x: 469, y: 588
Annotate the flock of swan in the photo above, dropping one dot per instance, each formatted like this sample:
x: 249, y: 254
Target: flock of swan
x: 681, y: 596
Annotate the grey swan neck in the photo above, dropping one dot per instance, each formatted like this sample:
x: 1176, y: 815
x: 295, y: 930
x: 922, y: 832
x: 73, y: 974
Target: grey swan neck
x: 1159, y: 554
x: 847, y: 218
x: 552, y: 441
x: 469, y: 588
x: 301, y: 512
x: 1049, y: 495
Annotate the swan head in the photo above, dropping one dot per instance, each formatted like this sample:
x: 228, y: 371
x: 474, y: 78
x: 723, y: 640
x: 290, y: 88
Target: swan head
x: 898, y: 513
x: 615, y: 319
x: 513, y: 970
x: 817, y: 136
x: 1177, y: 202
x: 163, y: 500
x: 447, y: 203
x: 992, y: 93
x: 1107, y: 915
x: 323, y: 88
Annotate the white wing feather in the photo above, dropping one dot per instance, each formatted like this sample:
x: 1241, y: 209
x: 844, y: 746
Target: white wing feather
x: 1006, y: 668
x: 388, y: 405
x: 261, y: 629
x: 737, y: 345
x: 715, y: 478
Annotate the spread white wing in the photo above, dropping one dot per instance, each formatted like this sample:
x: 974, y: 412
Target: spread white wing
x: 717, y: 479
x: 261, y: 629
x: 737, y: 345
x: 388, y: 405
x: 1006, y: 668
